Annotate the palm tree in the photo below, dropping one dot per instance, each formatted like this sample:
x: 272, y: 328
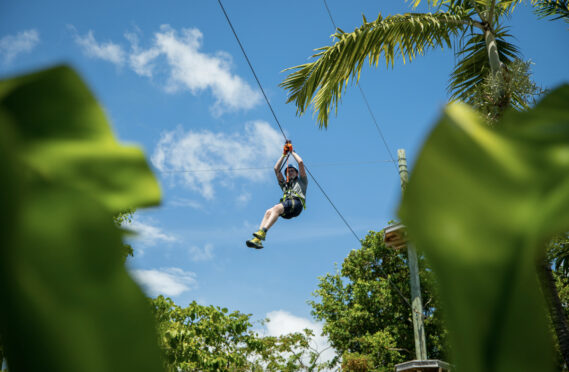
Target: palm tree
x: 483, y: 49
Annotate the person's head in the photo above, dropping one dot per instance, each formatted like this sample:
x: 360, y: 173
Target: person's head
x: 291, y: 172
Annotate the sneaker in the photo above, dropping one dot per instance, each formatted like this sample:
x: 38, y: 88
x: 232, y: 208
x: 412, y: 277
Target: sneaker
x: 254, y: 243
x: 260, y: 234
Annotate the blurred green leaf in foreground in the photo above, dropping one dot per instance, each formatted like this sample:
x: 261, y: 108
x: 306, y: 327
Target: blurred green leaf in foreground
x: 481, y: 204
x: 68, y: 303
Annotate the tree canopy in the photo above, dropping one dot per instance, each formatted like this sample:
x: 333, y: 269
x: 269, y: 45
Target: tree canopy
x: 366, y: 311
x: 209, y: 338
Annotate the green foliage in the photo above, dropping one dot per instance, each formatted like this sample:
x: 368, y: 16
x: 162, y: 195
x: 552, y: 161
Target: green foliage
x: 554, y: 9
x: 119, y: 219
x: 558, y: 253
x: 482, y: 203
x: 322, y: 82
x: 68, y: 303
x: 511, y: 87
x: 208, y: 338
x: 354, y: 362
x: 124, y: 217
x: 398, y: 36
x: 473, y: 69
x: 366, y: 311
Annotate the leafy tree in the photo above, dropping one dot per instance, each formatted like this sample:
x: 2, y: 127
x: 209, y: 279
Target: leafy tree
x: 482, y: 49
x: 119, y: 219
x: 555, y: 282
x: 208, y: 338
x: 558, y: 253
x: 366, y: 312
x: 562, y: 286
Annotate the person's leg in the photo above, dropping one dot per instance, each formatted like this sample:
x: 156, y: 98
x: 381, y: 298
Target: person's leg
x: 271, y: 216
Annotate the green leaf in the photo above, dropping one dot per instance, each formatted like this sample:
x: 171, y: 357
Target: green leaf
x: 482, y: 203
x: 66, y: 137
x: 68, y: 303
x: 555, y: 9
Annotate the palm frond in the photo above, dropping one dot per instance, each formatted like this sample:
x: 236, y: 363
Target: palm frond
x: 557, y: 9
x: 322, y: 82
x: 474, y: 65
x: 448, y: 3
x: 507, y: 7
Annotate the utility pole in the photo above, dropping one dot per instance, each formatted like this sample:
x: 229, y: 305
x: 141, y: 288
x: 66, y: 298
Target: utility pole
x: 416, y: 302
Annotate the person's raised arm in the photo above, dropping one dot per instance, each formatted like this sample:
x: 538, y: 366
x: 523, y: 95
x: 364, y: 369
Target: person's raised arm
x: 301, y: 170
x: 278, y: 166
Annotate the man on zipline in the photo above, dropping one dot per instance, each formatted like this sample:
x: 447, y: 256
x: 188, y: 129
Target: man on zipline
x: 293, y: 200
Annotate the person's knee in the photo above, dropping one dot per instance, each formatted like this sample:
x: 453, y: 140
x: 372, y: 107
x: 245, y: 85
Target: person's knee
x: 278, y: 209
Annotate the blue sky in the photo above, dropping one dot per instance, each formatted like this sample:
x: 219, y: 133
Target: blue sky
x: 173, y: 81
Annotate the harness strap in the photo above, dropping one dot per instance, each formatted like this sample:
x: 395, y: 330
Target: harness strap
x: 291, y: 194
x: 286, y: 169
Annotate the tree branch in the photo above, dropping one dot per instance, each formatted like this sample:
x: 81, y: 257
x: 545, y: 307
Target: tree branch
x: 399, y: 349
x: 490, y: 19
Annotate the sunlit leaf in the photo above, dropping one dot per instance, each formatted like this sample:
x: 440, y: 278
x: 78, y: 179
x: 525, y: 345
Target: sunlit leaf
x: 68, y: 303
x: 554, y: 9
x: 482, y: 203
x: 65, y: 136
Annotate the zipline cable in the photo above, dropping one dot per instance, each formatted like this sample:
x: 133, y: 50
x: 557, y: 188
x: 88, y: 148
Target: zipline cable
x: 284, y: 135
x: 386, y: 147
x: 365, y: 100
x: 277, y: 121
x: 252, y: 69
x: 333, y: 206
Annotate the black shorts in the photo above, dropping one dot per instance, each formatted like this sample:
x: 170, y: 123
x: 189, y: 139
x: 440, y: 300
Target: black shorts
x: 292, y: 208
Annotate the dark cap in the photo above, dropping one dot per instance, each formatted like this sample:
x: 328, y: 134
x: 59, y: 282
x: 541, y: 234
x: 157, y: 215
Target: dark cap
x: 293, y: 167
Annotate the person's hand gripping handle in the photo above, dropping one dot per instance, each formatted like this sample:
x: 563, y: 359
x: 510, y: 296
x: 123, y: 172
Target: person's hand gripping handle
x: 287, y: 147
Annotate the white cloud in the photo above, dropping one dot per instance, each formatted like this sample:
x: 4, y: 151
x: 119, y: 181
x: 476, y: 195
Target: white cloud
x: 282, y: 322
x: 22, y: 42
x: 171, y: 281
x: 192, y: 70
x: 201, y: 254
x: 183, y: 202
x: 108, y: 51
x: 174, y: 57
x: 141, y: 61
x: 244, y: 198
x: 147, y: 234
x: 198, y: 159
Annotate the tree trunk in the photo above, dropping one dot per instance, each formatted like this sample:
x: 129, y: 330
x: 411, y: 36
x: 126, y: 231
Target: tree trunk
x: 492, y: 48
x: 555, y: 309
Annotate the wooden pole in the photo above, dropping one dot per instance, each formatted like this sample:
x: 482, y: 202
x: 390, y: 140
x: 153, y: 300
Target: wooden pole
x: 416, y: 302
